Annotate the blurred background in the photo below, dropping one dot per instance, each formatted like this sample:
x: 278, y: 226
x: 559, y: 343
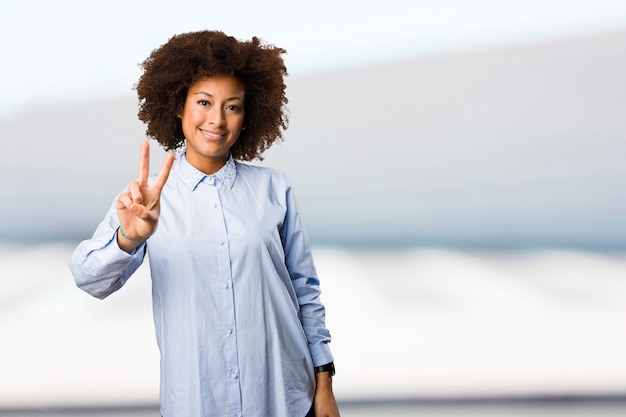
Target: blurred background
x: 459, y: 166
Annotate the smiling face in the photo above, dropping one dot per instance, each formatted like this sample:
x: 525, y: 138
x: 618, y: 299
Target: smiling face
x: 212, y: 120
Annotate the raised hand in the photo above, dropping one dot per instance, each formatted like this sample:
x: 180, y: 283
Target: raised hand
x: 139, y: 207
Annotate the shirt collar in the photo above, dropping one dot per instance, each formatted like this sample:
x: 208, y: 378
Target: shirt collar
x: 192, y: 176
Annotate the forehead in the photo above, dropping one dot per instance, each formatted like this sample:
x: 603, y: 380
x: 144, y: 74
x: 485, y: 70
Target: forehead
x: 219, y: 84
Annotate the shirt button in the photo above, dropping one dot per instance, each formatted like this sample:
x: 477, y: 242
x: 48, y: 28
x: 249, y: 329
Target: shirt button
x: 225, y: 286
x: 229, y: 331
x: 215, y: 205
x: 222, y: 243
x: 235, y: 375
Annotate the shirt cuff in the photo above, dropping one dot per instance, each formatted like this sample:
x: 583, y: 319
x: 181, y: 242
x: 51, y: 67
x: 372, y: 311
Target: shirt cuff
x: 321, y: 354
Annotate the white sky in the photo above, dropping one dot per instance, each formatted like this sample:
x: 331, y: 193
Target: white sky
x: 56, y: 51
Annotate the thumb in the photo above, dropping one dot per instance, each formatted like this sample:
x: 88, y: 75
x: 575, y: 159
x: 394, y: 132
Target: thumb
x: 142, y: 212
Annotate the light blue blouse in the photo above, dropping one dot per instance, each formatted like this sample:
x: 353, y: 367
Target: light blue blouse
x: 236, y: 298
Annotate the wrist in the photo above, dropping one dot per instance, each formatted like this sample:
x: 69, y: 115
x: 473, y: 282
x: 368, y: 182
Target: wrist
x: 130, y: 238
x: 324, y: 377
x: 126, y: 244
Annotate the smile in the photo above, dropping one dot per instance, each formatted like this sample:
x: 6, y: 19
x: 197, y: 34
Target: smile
x: 212, y: 135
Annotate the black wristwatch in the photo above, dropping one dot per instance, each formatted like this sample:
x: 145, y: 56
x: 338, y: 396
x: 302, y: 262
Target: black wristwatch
x: 329, y: 367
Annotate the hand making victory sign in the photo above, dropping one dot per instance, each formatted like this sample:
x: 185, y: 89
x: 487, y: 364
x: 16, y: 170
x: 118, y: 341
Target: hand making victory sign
x: 139, y: 207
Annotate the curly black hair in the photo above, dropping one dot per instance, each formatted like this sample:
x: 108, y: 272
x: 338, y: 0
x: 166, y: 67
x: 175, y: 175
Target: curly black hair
x: 173, y: 68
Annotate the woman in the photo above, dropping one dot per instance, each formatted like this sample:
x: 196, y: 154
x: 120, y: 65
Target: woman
x: 237, y: 312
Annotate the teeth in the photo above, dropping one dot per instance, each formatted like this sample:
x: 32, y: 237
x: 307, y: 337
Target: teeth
x: 215, y: 135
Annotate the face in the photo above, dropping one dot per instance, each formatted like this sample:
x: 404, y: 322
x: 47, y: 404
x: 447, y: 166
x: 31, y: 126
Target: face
x: 212, y: 119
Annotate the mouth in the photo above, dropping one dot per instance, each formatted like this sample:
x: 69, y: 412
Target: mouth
x: 212, y: 135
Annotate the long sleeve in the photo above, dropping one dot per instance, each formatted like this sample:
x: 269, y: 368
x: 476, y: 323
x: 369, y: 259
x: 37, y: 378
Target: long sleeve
x: 99, y: 266
x: 299, y: 261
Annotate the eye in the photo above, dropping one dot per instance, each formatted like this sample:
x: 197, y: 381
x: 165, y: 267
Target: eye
x: 203, y: 102
x: 233, y: 108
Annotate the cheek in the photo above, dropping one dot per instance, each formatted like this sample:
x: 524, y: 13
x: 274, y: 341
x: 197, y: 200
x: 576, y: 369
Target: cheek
x: 190, y: 120
x: 236, y: 123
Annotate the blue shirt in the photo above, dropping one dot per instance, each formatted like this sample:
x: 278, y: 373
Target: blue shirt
x: 237, y: 312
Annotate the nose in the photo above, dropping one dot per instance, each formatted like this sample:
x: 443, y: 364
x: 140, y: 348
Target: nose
x: 216, y: 116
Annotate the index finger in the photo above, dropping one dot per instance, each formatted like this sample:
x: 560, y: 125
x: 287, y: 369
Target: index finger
x: 144, y: 163
x: 164, y: 173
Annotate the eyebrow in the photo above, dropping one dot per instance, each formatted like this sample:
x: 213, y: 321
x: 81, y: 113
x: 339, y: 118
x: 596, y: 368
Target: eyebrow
x: 210, y: 95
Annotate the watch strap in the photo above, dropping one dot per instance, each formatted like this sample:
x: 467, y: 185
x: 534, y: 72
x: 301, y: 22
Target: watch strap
x: 329, y: 367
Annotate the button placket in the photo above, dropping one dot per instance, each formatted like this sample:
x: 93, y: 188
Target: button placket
x: 228, y: 303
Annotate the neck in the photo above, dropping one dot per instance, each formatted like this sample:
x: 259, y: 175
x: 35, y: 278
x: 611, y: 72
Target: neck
x: 207, y: 166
